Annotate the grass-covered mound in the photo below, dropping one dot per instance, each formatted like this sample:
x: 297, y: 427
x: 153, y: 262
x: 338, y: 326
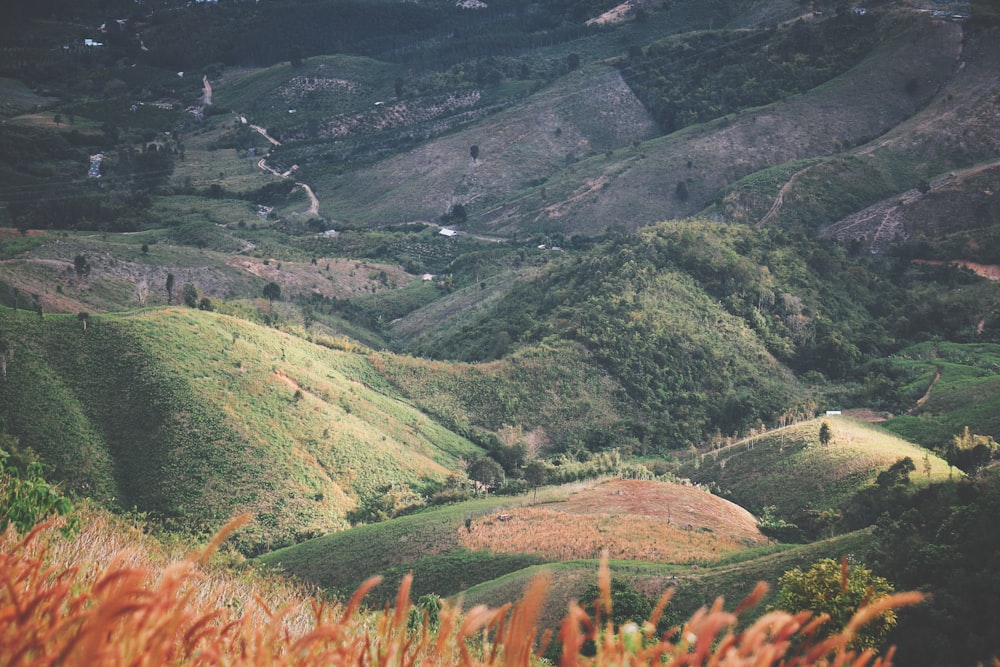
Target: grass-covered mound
x: 460, y: 546
x: 792, y: 471
x: 192, y: 417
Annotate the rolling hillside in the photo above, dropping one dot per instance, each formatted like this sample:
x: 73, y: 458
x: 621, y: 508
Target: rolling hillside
x: 792, y: 471
x: 193, y: 417
x: 637, y: 186
x: 646, y: 521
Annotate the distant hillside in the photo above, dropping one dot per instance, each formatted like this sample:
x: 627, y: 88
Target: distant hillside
x: 638, y: 186
x: 193, y: 417
x: 947, y: 387
x: 790, y: 470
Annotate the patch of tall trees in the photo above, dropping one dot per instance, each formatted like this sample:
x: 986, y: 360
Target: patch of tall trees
x: 696, y: 77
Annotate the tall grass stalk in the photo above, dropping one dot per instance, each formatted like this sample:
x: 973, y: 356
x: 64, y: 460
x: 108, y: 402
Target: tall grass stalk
x: 86, y: 601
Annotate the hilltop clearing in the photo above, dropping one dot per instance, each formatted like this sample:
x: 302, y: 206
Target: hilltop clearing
x: 120, y: 275
x: 647, y: 521
x: 957, y: 209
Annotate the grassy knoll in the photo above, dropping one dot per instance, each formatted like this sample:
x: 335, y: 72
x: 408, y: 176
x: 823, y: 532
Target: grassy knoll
x: 193, y: 417
x: 341, y: 561
x: 957, y: 385
x: 640, y: 521
x: 790, y: 469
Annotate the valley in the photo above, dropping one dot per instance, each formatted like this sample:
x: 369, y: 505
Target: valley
x: 698, y: 291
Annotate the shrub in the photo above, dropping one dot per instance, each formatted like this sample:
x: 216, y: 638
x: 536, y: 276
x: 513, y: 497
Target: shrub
x: 26, y: 500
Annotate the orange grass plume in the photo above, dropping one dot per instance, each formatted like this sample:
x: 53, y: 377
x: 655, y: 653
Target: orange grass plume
x: 63, y: 606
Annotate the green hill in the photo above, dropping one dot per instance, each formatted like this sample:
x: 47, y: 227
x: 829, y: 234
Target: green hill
x: 193, y: 417
x: 790, y: 470
x: 451, y: 549
x: 949, y: 386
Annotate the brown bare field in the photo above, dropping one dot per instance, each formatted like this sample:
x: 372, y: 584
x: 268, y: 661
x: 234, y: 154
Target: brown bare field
x: 632, y: 519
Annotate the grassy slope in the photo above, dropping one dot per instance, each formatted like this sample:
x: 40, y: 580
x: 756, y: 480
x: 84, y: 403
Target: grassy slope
x: 790, y: 469
x: 229, y: 267
x: 733, y: 580
x: 195, y: 416
x: 517, y: 147
x: 934, y: 141
x: 965, y: 394
x: 553, y: 391
x: 641, y: 521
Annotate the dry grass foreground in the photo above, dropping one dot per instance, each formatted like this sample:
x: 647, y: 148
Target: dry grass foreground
x: 91, y: 600
x: 630, y: 519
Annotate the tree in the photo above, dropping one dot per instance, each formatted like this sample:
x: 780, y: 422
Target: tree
x: 535, y: 474
x: 6, y: 355
x: 170, y: 288
x: 272, y: 291
x: 26, y: 500
x: 189, y: 293
x: 487, y: 472
x: 681, y: 191
x: 825, y: 433
x: 141, y: 291
x: 458, y: 214
x: 970, y: 452
x: 474, y: 152
x: 81, y: 266
x: 838, y: 590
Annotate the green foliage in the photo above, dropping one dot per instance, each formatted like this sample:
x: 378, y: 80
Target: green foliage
x: 825, y: 433
x: 943, y: 540
x: 487, y: 472
x: 971, y: 452
x: 627, y: 604
x: 272, y: 291
x: 838, y: 590
x: 693, y: 78
x: 26, y: 498
x: 189, y: 295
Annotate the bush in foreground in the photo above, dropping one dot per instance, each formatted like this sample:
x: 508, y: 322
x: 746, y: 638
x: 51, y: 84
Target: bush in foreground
x: 65, y: 604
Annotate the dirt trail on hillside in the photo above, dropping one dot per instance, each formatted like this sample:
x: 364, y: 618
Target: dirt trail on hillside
x: 780, y: 199
x: 313, y: 199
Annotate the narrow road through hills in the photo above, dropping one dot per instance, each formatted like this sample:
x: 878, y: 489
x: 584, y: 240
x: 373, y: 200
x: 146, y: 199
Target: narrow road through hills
x: 313, y: 200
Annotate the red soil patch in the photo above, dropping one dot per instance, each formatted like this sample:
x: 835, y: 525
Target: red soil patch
x: 633, y: 520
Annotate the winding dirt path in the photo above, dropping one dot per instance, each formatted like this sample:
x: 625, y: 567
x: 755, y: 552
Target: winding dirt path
x: 313, y: 200
x: 780, y: 199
